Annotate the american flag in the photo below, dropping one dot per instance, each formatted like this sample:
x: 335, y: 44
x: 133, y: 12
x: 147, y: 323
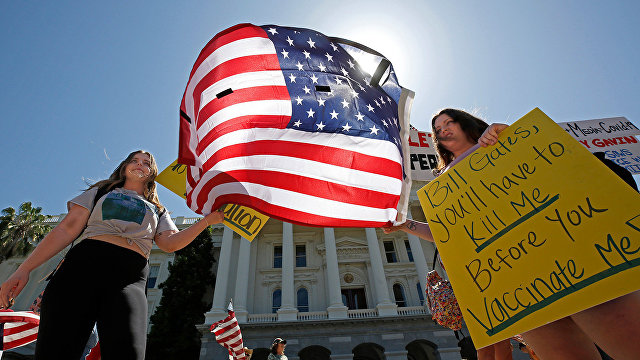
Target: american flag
x: 227, y: 332
x: 286, y: 121
x: 18, y: 328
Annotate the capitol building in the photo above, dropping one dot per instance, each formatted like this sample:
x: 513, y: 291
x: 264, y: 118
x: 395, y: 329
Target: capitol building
x: 332, y: 293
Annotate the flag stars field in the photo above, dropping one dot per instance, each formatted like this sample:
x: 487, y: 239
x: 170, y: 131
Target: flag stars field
x: 308, y: 61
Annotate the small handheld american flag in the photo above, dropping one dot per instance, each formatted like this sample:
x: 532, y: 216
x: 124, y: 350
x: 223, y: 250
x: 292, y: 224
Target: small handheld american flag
x: 18, y: 328
x: 227, y: 333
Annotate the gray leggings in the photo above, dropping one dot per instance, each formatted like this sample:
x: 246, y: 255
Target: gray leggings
x: 98, y: 283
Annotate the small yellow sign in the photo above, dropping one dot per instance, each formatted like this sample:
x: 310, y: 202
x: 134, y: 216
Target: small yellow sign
x: 533, y: 229
x: 243, y: 220
x: 174, y: 178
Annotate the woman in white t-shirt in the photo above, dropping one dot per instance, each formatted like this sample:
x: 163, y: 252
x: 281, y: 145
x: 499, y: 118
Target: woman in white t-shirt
x: 103, y: 277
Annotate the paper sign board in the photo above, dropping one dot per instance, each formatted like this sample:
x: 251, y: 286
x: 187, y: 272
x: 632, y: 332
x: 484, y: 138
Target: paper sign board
x: 532, y: 230
x: 422, y: 155
x: 616, y: 137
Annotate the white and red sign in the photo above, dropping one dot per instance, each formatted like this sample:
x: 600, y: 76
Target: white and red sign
x: 422, y: 155
x: 616, y: 137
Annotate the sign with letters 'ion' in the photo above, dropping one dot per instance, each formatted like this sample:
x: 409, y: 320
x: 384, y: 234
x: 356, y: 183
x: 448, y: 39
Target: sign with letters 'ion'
x: 243, y: 220
x: 533, y: 229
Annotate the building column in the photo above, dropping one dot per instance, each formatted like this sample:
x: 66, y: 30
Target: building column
x: 287, y: 311
x: 418, y: 258
x: 220, y: 301
x: 336, y: 308
x: 385, y: 306
x: 242, y: 282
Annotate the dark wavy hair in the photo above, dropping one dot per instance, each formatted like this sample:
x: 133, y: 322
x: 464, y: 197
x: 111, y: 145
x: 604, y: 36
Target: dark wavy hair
x: 274, y: 348
x: 117, y: 179
x: 471, y: 125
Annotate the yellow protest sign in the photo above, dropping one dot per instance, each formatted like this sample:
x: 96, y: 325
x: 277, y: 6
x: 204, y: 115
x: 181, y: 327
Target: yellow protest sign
x: 243, y: 220
x: 533, y: 229
x: 174, y: 178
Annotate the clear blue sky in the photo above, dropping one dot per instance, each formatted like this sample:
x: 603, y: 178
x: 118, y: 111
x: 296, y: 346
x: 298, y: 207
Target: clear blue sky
x: 83, y: 83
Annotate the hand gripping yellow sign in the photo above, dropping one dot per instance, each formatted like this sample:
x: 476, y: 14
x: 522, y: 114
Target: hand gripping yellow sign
x: 533, y: 229
x: 243, y: 220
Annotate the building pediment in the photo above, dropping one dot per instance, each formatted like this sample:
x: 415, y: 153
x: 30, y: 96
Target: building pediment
x: 346, y: 243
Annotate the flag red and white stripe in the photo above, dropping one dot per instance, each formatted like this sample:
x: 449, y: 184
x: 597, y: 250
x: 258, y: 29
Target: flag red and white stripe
x: 18, y: 328
x: 241, y: 151
x: 227, y: 333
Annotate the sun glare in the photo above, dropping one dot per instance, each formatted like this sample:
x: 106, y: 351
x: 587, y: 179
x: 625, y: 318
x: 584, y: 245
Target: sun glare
x: 383, y: 41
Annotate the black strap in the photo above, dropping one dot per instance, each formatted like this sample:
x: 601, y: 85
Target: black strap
x: 435, y: 256
x: 380, y: 70
x: 459, y: 335
x: 100, y: 193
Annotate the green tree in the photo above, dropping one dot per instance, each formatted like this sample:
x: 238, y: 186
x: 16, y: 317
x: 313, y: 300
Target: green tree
x: 20, y: 232
x: 173, y: 333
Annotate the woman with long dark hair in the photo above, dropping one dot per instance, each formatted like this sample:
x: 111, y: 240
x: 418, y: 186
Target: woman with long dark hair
x: 102, y: 279
x: 457, y: 134
x: 610, y: 325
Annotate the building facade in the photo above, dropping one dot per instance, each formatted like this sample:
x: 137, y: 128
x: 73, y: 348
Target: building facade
x: 332, y: 293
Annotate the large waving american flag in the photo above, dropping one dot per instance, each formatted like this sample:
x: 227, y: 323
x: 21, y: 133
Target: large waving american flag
x: 227, y: 333
x: 287, y: 121
x: 18, y: 328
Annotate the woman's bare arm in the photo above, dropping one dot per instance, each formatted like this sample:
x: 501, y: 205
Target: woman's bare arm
x: 56, y: 240
x: 172, y: 240
x: 412, y: 227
